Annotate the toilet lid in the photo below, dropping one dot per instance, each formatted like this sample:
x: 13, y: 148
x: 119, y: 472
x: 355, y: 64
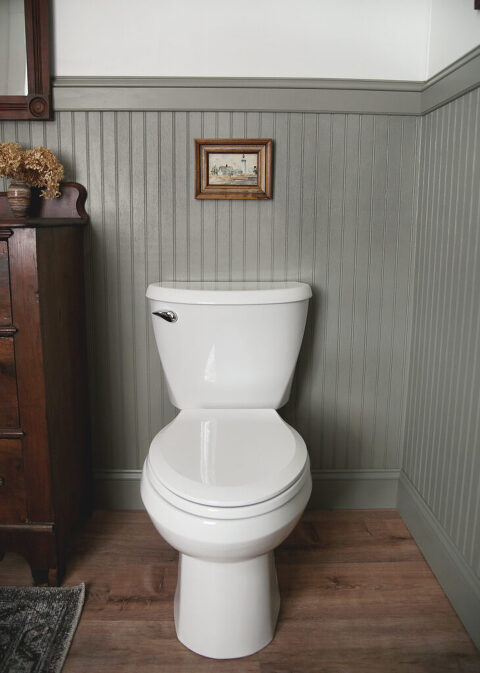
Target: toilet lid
x: 227, y: 458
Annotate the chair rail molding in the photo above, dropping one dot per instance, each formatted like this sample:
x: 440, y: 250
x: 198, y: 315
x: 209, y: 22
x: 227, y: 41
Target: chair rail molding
x: 269, y: 94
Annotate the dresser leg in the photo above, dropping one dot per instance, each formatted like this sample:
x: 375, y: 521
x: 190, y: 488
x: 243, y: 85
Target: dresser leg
x: 46, y: 576
x: 40, y: 576
x: 39, y: 548
x: 54, y: 576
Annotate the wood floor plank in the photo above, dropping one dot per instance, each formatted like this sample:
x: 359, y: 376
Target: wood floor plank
x: 357, y: 597
x: 372, y: 662
x: 366, y: 539
x: 355, y: 588
x: 127, y: 647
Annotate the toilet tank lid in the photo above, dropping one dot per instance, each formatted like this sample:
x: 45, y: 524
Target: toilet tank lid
x: 229, y: 292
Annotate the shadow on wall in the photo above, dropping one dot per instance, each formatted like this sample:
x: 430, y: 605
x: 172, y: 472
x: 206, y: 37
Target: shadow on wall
x: 307, y: 426
x: 334, y: 432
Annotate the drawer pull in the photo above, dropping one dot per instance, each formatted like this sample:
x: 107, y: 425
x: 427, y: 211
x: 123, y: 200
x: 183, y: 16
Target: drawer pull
x: 2, y: 481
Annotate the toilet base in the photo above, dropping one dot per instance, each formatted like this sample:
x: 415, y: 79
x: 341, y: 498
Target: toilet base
x: 226, y: 610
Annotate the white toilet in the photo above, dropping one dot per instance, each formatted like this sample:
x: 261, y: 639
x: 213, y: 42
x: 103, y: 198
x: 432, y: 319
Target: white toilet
x: 228, y: 479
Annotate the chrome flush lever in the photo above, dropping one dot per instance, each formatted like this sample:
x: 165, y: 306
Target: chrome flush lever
x: 169, y: 316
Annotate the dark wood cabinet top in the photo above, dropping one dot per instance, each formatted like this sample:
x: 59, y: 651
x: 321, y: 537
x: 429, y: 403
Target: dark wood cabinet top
x: 68, y: 210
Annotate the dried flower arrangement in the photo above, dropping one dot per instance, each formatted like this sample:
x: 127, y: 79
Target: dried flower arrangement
x: 38, y: 167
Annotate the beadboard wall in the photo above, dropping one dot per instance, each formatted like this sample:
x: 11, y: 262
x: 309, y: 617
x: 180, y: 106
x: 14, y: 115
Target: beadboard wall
x: 442, y: 453
x: 341, y: 219
x: 378, y: 212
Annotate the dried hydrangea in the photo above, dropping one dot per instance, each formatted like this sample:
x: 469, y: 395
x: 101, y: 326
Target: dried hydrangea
x: 43, y: 169
x: 38, y: 167
x: 11, y: 156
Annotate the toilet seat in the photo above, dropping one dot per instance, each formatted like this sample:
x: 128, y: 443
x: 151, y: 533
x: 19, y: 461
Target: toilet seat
x: 210, y: 460
x: 223, y: 513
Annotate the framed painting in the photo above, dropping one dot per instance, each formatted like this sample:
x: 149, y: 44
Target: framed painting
x: 233, y: 168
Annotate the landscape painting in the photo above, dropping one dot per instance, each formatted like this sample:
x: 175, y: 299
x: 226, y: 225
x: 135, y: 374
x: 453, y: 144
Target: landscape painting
x: 232, y: 169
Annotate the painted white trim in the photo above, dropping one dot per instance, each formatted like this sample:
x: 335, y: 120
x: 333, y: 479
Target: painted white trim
x: 332, y: 489
x: 455, y: 576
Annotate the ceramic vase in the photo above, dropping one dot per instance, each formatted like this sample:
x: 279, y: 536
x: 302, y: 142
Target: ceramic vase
x: 19, y: 197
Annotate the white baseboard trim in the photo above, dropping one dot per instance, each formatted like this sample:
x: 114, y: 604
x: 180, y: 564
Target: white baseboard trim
x: 457, y: 579
x: 332, y: 489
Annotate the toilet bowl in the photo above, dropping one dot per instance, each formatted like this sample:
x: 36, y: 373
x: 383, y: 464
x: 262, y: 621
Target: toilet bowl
x: 227, y: 480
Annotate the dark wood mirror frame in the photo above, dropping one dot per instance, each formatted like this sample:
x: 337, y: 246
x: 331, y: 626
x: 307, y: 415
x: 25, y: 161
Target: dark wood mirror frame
x: 37, y: 104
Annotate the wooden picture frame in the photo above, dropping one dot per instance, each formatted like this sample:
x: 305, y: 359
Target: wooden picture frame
x: 233, y: 168
x: 37, y: 103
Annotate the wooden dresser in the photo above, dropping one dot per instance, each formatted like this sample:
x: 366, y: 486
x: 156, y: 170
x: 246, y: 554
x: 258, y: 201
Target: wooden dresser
x: 44, y: 463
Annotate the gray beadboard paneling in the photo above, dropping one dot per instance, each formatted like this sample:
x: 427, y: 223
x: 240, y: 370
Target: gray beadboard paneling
x: 341, y: 219
x: 442, y: 451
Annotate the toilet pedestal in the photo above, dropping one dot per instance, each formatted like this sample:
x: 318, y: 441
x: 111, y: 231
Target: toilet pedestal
x: 229, y: 609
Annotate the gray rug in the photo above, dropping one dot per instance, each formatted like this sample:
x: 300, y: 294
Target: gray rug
x: 37, y: 626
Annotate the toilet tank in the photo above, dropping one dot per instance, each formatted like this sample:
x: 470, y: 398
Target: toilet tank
x: 228, y: 345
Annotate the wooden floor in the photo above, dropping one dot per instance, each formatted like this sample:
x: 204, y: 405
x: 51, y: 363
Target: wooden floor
x: 357, y: 597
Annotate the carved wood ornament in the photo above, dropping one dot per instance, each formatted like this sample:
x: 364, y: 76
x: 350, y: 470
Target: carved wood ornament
x: 37, y: 104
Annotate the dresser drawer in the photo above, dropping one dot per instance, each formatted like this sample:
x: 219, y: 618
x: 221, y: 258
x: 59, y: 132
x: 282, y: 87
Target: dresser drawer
x: 13, y: 507
x: 5, y: 307
x: 8, y: 385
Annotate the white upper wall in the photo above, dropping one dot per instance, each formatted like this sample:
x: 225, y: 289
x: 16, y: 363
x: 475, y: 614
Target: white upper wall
x: 454, y: 30
x: 353, y: 39
x: 367, y: 39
